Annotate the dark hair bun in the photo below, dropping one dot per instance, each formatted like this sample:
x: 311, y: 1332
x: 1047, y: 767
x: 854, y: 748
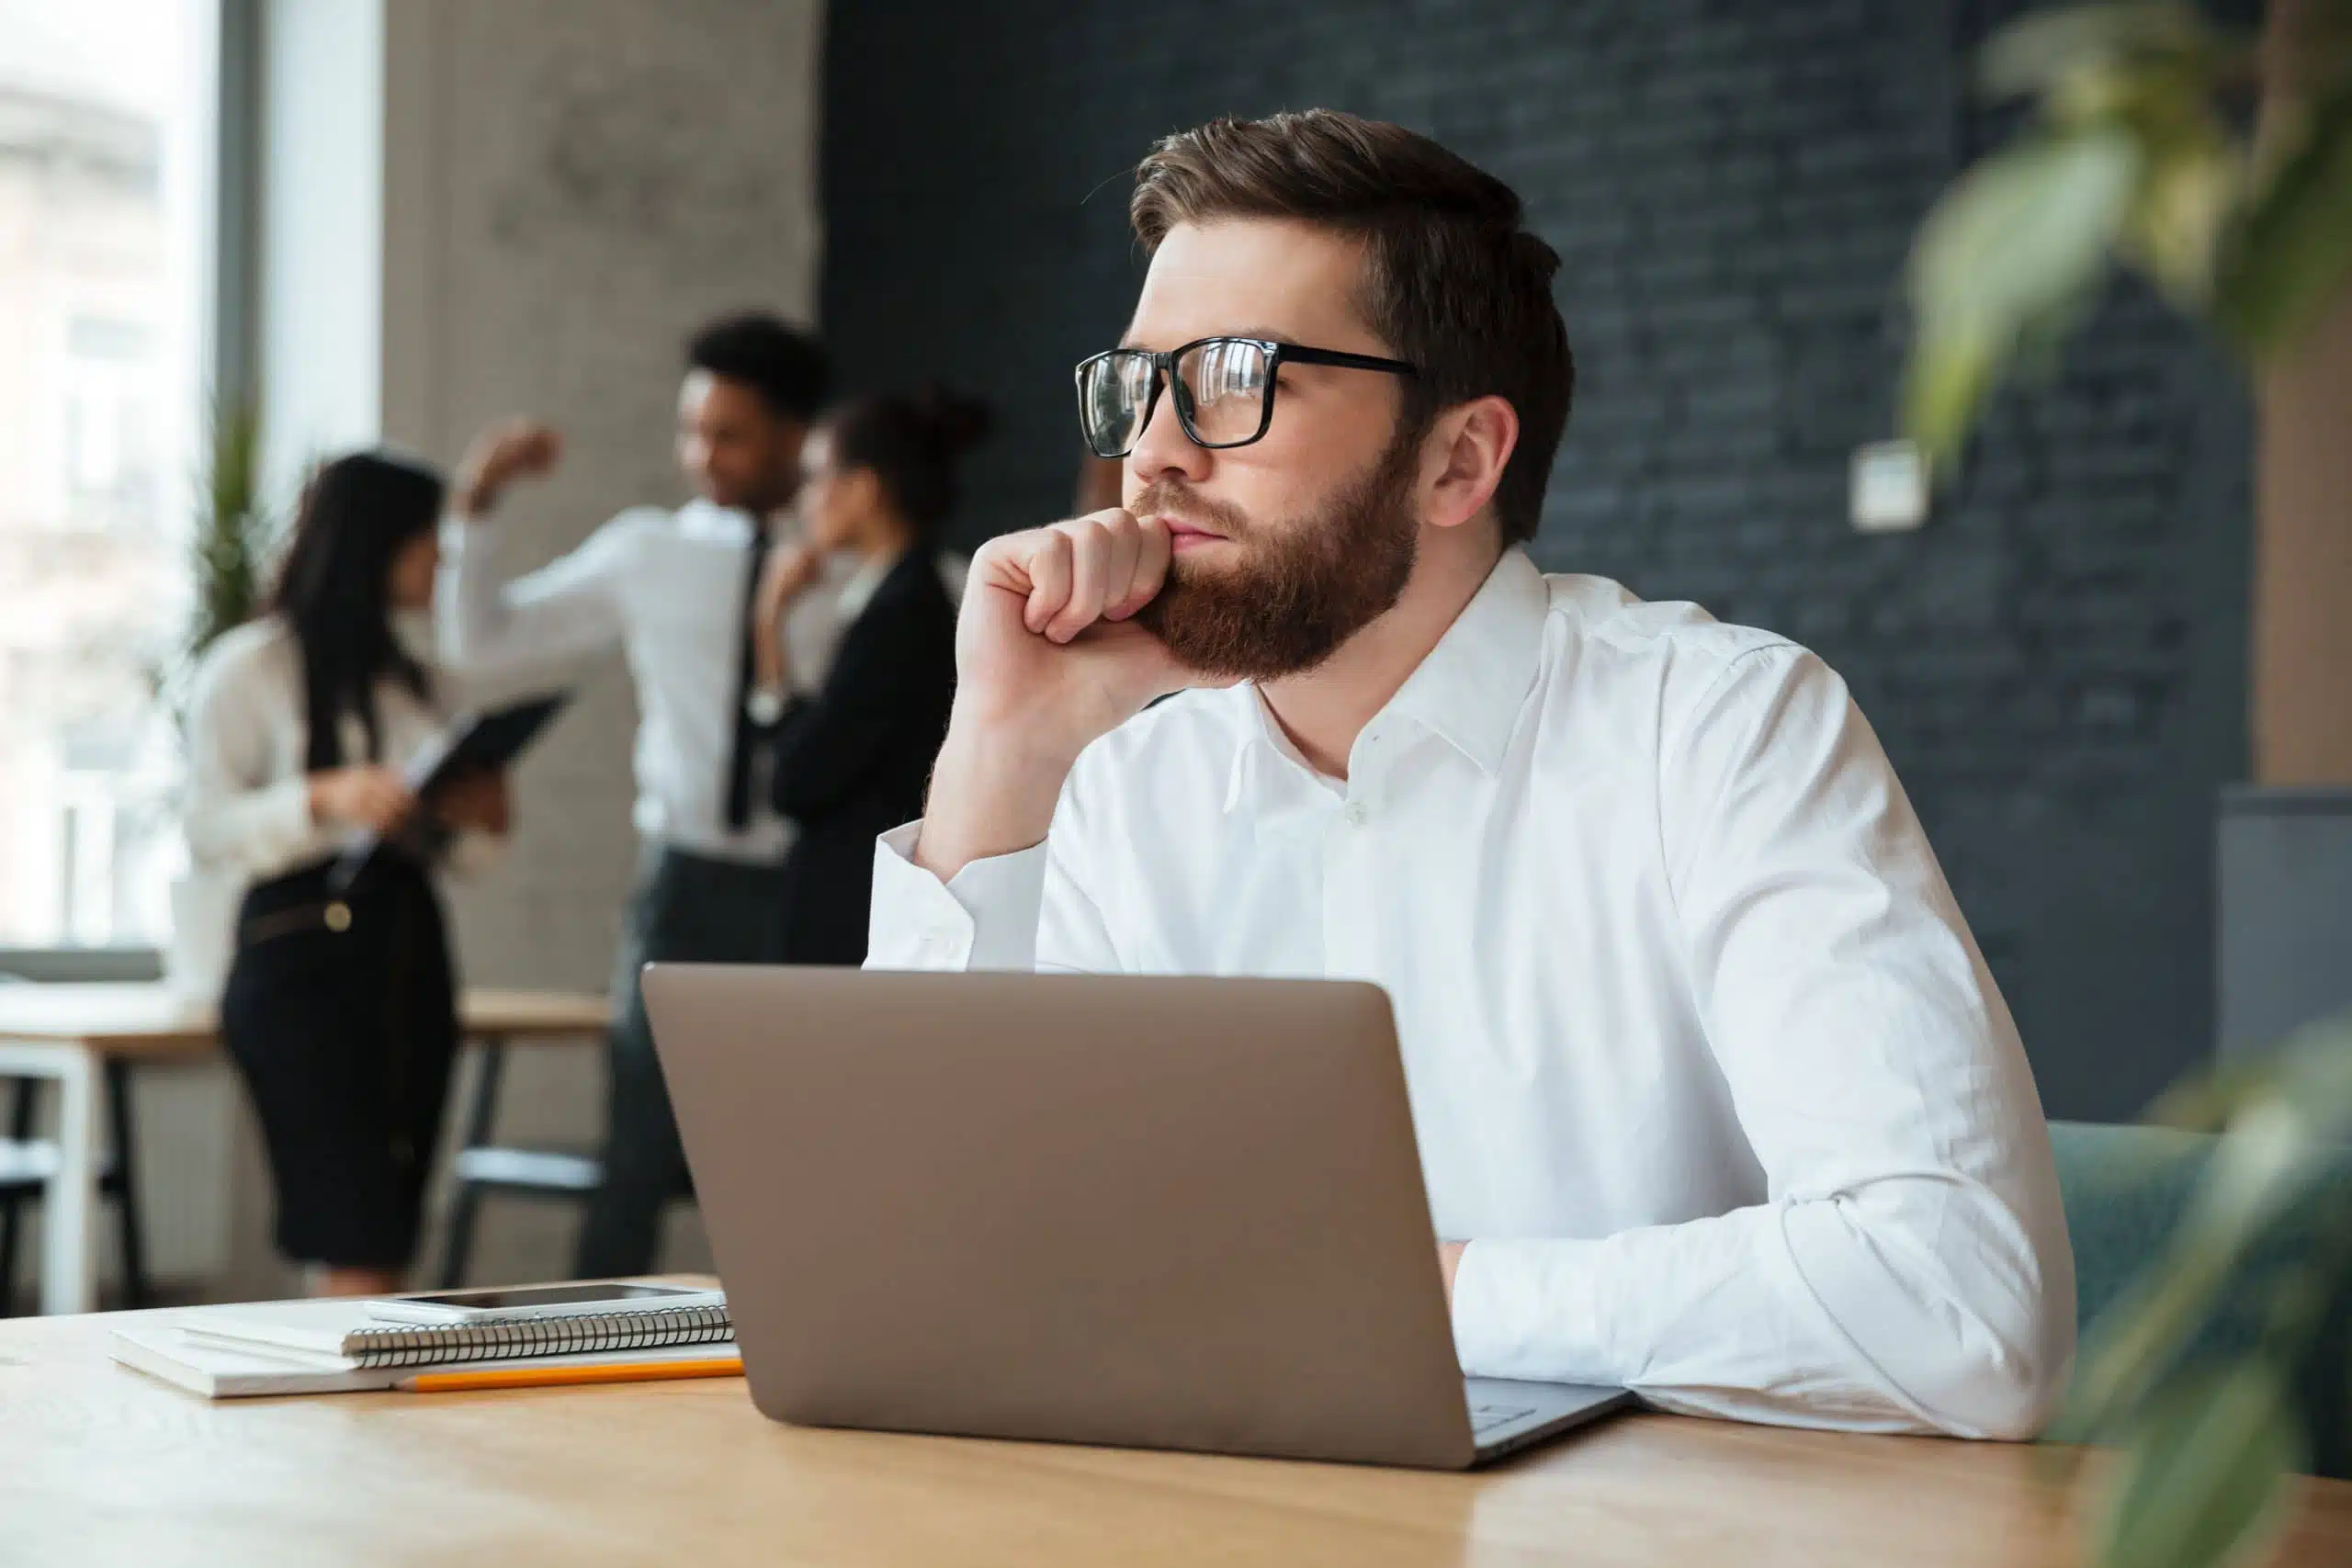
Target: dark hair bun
x: 910, y: 441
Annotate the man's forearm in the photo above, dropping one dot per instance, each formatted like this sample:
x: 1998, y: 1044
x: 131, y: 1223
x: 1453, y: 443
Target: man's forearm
x: 1897, y: 1305
x: 566, y: 610
x: 992, y: 792
x: 465, y: 599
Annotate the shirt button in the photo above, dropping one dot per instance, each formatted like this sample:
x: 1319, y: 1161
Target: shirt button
x: 1357, y: 814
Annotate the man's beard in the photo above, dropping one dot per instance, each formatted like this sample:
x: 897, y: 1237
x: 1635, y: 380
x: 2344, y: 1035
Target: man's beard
x: 1300, y: 589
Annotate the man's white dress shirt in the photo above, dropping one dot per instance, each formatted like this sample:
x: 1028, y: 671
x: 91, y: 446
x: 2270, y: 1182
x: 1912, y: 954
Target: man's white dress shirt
x: 1704, y: 1063
x: 668, y: 589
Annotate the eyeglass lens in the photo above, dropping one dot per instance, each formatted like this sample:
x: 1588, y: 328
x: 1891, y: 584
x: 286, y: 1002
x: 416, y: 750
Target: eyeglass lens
x: 1224, y: 393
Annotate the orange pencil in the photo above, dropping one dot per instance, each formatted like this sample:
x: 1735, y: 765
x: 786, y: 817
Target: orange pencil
x: 554, y: 1377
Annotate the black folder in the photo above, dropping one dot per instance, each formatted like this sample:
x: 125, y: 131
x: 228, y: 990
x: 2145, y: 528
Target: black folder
x: 480, y: 739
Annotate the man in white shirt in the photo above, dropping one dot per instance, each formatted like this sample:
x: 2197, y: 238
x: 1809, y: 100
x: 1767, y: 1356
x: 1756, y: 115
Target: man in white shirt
x: 673, y: 590
x: 1715, y: 1094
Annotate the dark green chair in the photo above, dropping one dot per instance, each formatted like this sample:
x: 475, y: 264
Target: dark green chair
x: 2125, y: 1189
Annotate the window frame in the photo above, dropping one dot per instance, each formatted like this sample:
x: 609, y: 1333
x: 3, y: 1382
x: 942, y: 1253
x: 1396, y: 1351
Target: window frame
x: 227, y: 291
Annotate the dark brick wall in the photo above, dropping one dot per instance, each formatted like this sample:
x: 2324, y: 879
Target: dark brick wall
x: 2056, y: 663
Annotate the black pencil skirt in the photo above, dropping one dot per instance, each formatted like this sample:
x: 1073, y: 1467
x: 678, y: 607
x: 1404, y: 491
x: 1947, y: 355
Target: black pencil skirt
x: 341, y: 1015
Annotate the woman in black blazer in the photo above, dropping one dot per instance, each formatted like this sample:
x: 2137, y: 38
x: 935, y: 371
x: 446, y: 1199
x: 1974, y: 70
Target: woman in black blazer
x: 852, y: 761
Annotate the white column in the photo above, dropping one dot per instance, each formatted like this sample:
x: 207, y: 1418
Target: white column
x: 322, y: 251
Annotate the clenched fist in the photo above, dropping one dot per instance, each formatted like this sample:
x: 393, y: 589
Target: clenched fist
x: 1047, y: 659
x: 519, y: 448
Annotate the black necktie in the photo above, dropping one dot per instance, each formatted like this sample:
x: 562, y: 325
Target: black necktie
x: 738, y: 755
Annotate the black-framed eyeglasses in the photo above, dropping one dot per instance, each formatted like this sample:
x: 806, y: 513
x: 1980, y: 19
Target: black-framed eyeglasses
x: 1224, y: 389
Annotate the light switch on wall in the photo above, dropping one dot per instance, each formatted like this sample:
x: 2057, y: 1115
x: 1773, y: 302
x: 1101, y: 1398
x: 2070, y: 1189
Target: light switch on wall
x: 1889, y: 487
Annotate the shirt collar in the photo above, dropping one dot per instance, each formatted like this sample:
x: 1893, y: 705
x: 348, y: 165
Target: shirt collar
x: 1260, y: 736
x: 1468, y: 690
x: 859, y: 590
x: 700, y: 519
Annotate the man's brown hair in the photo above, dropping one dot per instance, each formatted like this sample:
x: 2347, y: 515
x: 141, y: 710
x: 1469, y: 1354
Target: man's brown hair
x: 1454, y: 282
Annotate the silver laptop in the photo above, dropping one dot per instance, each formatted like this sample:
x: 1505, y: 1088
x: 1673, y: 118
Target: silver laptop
x: 1155, y: 1212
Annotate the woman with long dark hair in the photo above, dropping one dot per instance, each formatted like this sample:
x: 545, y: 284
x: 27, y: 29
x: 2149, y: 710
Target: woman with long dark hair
x: 851, y: 756
x: 340, y: 1010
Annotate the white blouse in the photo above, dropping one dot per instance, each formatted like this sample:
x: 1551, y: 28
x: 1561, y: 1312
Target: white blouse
x: 248, y: 807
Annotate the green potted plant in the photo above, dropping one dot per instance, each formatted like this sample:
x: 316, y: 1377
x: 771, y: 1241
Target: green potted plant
x: 2140, y: 153
x: 232, y: 535
x: 233, y: 532
x: 2219, y: 166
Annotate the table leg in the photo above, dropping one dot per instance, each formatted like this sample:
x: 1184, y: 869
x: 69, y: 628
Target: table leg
x: 482, y: 1120
x: 69, y: 1269
x: 69, y: 1276
x: 122, y: 1135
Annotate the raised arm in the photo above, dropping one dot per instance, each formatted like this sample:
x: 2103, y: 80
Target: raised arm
x: 559, y: 613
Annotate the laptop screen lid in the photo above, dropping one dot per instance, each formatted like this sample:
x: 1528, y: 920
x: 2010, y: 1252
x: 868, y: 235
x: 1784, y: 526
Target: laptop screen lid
x: 1166, y: 1213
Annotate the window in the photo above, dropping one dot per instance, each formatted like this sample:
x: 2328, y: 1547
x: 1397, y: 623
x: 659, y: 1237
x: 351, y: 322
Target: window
x: 106, y: 114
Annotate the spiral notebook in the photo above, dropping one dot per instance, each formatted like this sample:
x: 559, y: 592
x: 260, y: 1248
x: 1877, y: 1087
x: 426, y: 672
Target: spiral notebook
x: 218, y: 1369
x: 342, y: 1335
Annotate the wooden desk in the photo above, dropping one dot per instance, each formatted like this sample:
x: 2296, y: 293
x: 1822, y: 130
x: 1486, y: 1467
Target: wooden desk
x: 100, y: 1465
x: 70, y: 1032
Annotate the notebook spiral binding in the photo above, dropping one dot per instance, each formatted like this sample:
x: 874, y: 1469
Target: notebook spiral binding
x: 515, y: 1336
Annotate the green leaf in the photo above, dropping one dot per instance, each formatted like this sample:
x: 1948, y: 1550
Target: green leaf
x: 231, y: 527
x: 1950, y: 374
x: 2177, y: 218
x: 2312, y: 1067
x: 2288, y: 1118
x: 2139, y: 1340
x: 2291, y: 254
x: 2005, y: 256
x: 2204, y: 1477
x: 2042, y: 49
x: 2025, y: 229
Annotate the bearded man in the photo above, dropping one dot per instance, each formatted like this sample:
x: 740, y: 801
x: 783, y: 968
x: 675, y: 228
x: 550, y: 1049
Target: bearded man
x: 1714, y: 1095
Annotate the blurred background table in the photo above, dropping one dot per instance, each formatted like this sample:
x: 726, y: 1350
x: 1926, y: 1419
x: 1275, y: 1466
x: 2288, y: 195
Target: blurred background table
x: 88, y: 1038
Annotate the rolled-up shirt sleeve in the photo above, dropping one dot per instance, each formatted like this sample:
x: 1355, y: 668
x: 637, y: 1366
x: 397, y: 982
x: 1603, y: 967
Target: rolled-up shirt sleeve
x: 563, y: 611
x: 985, y: 917
x: 1028, y: 909
x: 1909, y: 1269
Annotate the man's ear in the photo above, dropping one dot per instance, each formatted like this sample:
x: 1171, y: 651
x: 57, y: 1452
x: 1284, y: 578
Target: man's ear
x: 1469, y: 448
